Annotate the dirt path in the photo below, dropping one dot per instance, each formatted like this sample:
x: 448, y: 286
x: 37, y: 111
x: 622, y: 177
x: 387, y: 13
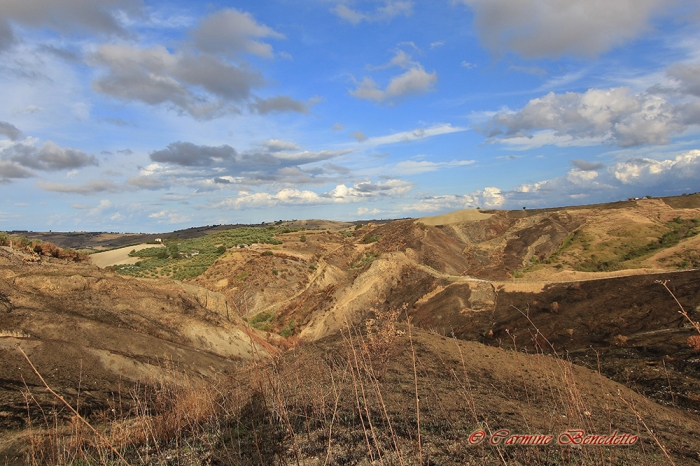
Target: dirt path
x: 119, y: 256
x: 564, y: 277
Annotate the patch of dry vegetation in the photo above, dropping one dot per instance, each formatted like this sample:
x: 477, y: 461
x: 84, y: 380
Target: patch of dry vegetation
x: 40, y: 248
x: 355, y: 399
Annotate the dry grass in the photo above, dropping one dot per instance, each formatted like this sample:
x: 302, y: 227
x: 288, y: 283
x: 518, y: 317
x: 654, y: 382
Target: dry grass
x: 14, y: 334
x: 382, y: 393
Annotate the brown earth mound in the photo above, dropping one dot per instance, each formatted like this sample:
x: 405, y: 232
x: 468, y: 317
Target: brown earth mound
x: 92, y: 333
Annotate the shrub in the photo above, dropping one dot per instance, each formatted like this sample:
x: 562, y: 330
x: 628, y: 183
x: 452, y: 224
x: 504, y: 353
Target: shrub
x: 288, y: 330
x: 302, y: 238
x: 261, y: 320
x: 371, y: 239
x: 268, y: 253
x: 694, y: 342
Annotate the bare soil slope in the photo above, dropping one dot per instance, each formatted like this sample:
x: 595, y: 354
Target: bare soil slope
x: 94, y: 332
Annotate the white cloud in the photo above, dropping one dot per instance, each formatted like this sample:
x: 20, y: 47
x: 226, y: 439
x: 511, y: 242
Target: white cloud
x: 614, y: 115
x: 489, y: 197
x: 49, y: 157
x: 205, y: 77
x: 169, y: 217
x: 633, y: 177
x: 90, y: 187
x: 67, y: 16
x: 400, y: 59
x: 156, y: 76
x: 275, y: 145
x: 230, y: 32
x: 414, y: 81
x: 365, y: 210
x: 388, y: 11
x: 359, y: 136
x: 29, y: 109
x: 415, y: 135
x: 104, y: 204
x: 551, y: 28
x: 341, y: 194
x: 412, y: 167
x: 650, y: 172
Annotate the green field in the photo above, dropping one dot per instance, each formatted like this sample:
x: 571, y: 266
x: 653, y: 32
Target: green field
x: 188, y: 258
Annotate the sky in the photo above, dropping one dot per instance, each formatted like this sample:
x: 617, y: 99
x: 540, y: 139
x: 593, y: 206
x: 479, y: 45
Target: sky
x: 150, y: 116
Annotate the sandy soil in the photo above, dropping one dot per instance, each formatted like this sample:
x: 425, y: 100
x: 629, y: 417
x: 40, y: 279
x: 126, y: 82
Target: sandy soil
x: 119, y: 256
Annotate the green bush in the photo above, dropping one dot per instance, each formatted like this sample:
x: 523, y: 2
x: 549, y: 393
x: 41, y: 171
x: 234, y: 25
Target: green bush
x: 261, y: 320
x: 288, y: 330
x: 371, y: 239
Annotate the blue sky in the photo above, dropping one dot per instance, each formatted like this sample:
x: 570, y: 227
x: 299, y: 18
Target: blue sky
x: 130, y: 115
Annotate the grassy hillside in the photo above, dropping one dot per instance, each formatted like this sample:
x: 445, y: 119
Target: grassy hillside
x: 188, y: 258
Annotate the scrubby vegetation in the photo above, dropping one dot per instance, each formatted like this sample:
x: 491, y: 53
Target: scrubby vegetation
x: 362, y: 260
x: 624, y: 248
x: 42, y: 248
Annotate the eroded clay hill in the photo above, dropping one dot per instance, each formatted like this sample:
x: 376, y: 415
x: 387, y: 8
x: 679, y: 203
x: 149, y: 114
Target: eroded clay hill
x: 593, y: 285
x: 586, y: 277
x: 316, y: 280
x: 91, y: 331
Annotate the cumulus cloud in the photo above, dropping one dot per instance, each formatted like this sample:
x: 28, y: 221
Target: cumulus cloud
x: 414, y: 81
x: 615, y: 115
x: 551, y: 28
x: 7, y: 37
x: 208, y: 168
x: 304, y: 157
x: 359, y: 136
x: 650, y: 172
x: 187, y: 154
x: 400, y: 59
x: 337, y: 168
x: 412, y: 167
x: 280, y: 103
x: 91, y: 187
x: 205, y: 76
x: 145, y: 182
x: 50, y: 157
x: 201, y: 85
x: 633, y: 177
x: 489, y: 197
x: 389, y: 10
x: 586, y: 165
x: 10, y: 130
x: 69, y: 16
x: 687, y: 77
x: 230, y: 32
x: 169, y: 217
x: 341, y: 194
x: 274, y: 154
x: 275, y: 145
x: 13, y: 170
